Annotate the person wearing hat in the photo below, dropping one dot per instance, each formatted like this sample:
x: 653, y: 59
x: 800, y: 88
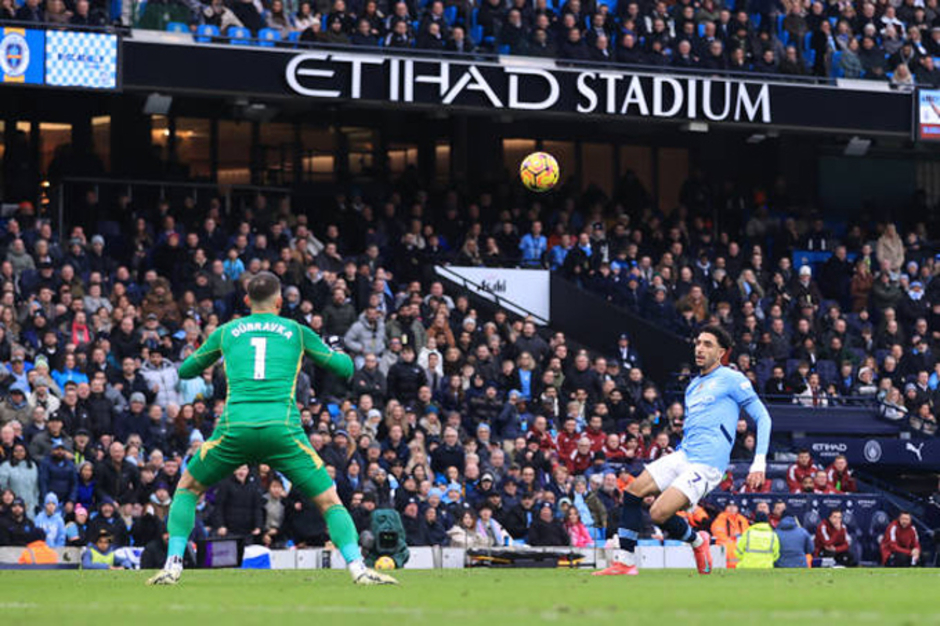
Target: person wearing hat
x: 416, y: 529
x: 546, y: 530
x: 133, y: 420
x: 41, y: 444
x: 625, y: 354
x: 15, y: 406
x: 42, y: 395
x: 51, y: 522
x: 108, y: 521
x: 406, y: 377
x: 76, y: 531
x: 58, y: 475
x: 518, y: 519
x: 101, y: 553
x: 16, y: 529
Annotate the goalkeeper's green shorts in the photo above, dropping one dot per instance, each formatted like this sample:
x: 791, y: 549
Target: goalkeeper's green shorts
x: 284, y: 447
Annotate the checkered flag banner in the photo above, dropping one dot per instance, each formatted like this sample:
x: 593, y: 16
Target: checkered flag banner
x: 75, y: 59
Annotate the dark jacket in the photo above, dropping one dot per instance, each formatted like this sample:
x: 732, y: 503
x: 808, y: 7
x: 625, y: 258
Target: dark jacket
x: 19, y: 533
x: 372, y: 383
x: 416, y: 531
x: 238, y: 507
x: 518, y: 521
x: 120, y: 484
x: 59, y: 477
x: 101, y: 413
x: 551, y: 533
x: 404, y: 380
x: 114, y: 525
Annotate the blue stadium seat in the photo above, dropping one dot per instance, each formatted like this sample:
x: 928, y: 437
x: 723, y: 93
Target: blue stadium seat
x: 239, y: 35
x: 806, y: 41
x: 836, y: 70
x: 880, y: 355
x: 267, y: 37
x: 611, y: 4
x: 294, y: 36
x: 473, y: 18
x: 504, y: 49
x: 206, y: 33
x: 450, y: 14
x: 848, y: 518
x: 828, y: 371
x: 476, y: 34
x: 833, y: 21
x: 791, y: 366
x: 811, y: 520
x: 755, y: 20
x: 701, y: 29
x: 879, y: 522
x: 779, y: 485
x: 177, y: 27
x: 780, y: 31
x: 416, y: 25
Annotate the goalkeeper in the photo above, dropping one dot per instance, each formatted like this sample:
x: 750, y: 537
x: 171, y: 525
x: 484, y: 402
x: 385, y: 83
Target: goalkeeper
x: 261, y: 424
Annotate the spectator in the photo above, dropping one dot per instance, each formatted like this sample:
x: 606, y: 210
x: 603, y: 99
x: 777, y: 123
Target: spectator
x: 728, y: 526
x: 16, y: 529
x: 57, y: 475
x: 50, y: 521
x: 162, y: 379
x: 578, y: 534
x: 832, y: 540
x: 546, y: 530
x: 102, y: 553
x: 900, y: 545
x: 796, y: 544
x: 464, y: 533
x: 109, y: 522
x: 21, y: 475
x: 238, y: 508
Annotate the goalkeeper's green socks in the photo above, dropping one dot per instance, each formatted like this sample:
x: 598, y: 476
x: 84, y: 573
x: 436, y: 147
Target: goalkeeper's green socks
x: 343, y: 533
x: 180, y: 524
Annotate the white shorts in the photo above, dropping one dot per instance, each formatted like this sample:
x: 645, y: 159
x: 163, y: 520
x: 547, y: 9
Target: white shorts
x: 694, y: 480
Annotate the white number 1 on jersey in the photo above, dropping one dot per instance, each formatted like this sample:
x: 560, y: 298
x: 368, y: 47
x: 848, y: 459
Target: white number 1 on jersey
x: 260, y: 344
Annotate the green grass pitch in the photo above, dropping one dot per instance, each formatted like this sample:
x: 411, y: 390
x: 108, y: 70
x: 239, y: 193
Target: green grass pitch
x: 472, y: 597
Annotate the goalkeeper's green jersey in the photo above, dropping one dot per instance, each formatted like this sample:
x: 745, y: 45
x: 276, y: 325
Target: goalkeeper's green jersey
x: 262, y: 355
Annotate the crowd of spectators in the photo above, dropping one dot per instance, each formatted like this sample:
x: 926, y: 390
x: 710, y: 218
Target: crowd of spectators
x: 479, y: 428
x: 878, y: 40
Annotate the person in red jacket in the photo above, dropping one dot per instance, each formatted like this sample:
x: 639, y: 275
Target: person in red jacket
x: 763, y: 488
x: 582, y: 457
x: 595, y: 433
x: 539, y: 432
x: 803, y: 467
x: 832, y: 540
x: 900, y: 546
x: 660, y: 446
x: 840, y: 476
x: 633, y: 430
x: 613, y: 451
x: 821, y: 483
x: 567, y: 439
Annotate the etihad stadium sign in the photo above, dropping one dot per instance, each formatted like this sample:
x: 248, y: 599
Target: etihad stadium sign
x: 527, y: 88
x: 511, y: 86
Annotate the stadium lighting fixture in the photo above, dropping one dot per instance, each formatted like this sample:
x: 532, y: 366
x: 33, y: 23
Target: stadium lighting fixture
x: 857, y: 146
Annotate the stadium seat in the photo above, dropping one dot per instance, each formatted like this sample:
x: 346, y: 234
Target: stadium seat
x: 791, y: 366
x: 779, y: 485
x: 450, y: 14
x: 206, y: 33
x: 294, y: 36
x: 701, y: 29
x: 836, y: 70
x: 828, y: 371
x: 473, y: 18
x: 879, y: 522
x: 807, y: 38
x: 880, y: 355
x: 755, y: 20
x: 177, y: 27
x: 476, y: 34
x: 780, y: 31
x: 239, y: 35
x: 267, y: 37
x: 811, y: 520
x: 848, y: 518
x: 504, y: 50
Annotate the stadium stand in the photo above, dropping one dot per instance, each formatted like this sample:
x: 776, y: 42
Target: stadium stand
x: 456, y: 405
x: 862, y: 39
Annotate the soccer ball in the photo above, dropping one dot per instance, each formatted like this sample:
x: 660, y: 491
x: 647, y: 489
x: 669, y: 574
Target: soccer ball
x: 385, y: 563
x: 539, y: 171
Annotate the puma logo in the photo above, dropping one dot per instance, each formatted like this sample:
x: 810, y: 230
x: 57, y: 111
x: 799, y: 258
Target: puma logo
x: 916, y: 450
